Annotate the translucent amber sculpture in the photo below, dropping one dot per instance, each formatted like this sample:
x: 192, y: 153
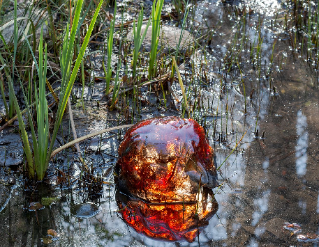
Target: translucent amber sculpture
x: 165, y: 174
x: 165, y: 160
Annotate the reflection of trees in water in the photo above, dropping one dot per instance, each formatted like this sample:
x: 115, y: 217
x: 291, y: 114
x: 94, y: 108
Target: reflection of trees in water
x: 25, y: 221
x: 275, y: 189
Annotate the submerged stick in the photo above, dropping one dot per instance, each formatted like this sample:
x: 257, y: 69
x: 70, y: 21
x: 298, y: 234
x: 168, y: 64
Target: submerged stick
x: 88, y: 136
x: 75, y: 136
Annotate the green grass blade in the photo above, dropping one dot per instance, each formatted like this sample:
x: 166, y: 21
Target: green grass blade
x: 41, y: 145
x: 138, y: 40
x: 156, y: 20
x: 67, y: 92
x: 70, y: 45
x: 3, y: 94
x: 109, y: 53
x: 24, y: 135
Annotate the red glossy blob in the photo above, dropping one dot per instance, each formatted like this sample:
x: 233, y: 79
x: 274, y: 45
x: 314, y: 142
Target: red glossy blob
x: 165, y: 160
x: 168, y: 221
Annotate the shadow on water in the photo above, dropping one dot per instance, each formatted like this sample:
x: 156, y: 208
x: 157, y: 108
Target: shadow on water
x: 263, y: 128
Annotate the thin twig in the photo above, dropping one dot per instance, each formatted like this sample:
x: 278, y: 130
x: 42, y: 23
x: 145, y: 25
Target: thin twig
x: 158, y: 79
x: 181, y: 84
x: 87, y: 137
x: 75, y: 136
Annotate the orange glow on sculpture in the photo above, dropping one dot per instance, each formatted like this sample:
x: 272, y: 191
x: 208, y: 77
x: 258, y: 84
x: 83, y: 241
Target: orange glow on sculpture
x: 167, y: 221
x: 165, y: 164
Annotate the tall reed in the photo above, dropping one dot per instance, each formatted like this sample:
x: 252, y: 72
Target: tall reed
x: 138, y: 39
x: 156, y: 21
x: 108, y: 72
x: 66, y: 85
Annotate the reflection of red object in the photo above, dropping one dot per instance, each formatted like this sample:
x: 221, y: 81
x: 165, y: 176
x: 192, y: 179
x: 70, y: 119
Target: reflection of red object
x: 168, y: 221
x: 165, y: 160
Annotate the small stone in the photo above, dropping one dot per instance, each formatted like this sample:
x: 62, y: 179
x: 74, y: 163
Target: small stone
x: 85, y: 210
x: 12, y: 181
x: 170, y: 37
x: 24, y: 24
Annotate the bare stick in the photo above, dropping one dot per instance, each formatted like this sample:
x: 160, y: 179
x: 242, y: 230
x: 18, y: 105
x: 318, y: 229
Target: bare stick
x: 75, y: 136
x: 88, y: 136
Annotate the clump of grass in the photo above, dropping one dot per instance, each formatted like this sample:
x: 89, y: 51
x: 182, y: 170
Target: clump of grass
x: 9, y: 108
x: 156, y: 21
x: 138, y: 39
x: 38, y: 158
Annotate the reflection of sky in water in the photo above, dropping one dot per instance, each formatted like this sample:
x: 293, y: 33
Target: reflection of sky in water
x: 302, y: 144
x: 264, y: 7
x: 253, y: 243
x: 259, y: 231
x: 236, y: 227
x: 266, y: 164
x: 261, y: 206
x: 303, y: 205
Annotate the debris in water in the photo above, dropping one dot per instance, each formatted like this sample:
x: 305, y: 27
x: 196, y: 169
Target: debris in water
x: 34, y: 206
x: 52, y: 236
x: 293, y: 227
x: 308, y: 238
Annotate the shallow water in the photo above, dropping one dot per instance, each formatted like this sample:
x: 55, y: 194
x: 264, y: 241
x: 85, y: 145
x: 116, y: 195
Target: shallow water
x: 268, y: 178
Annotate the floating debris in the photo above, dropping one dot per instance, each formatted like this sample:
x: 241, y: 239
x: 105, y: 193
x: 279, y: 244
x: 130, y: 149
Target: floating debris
x: 296, y: 228
x: 293, y: 227
x: 308, y: 238
x: 34, y: 206
x: 52, y: 236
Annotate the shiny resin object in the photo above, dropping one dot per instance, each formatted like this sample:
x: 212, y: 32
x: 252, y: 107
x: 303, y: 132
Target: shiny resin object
x: 165, y: 160
x: 168, y: 221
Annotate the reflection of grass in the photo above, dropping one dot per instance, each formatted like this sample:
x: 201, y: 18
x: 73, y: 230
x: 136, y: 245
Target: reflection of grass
x: 305, y: 26
x: 106, y: 234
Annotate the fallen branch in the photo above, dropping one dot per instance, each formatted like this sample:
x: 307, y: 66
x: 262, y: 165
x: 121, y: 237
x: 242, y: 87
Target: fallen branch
x: 158, y: 79
x: 87, y: 137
